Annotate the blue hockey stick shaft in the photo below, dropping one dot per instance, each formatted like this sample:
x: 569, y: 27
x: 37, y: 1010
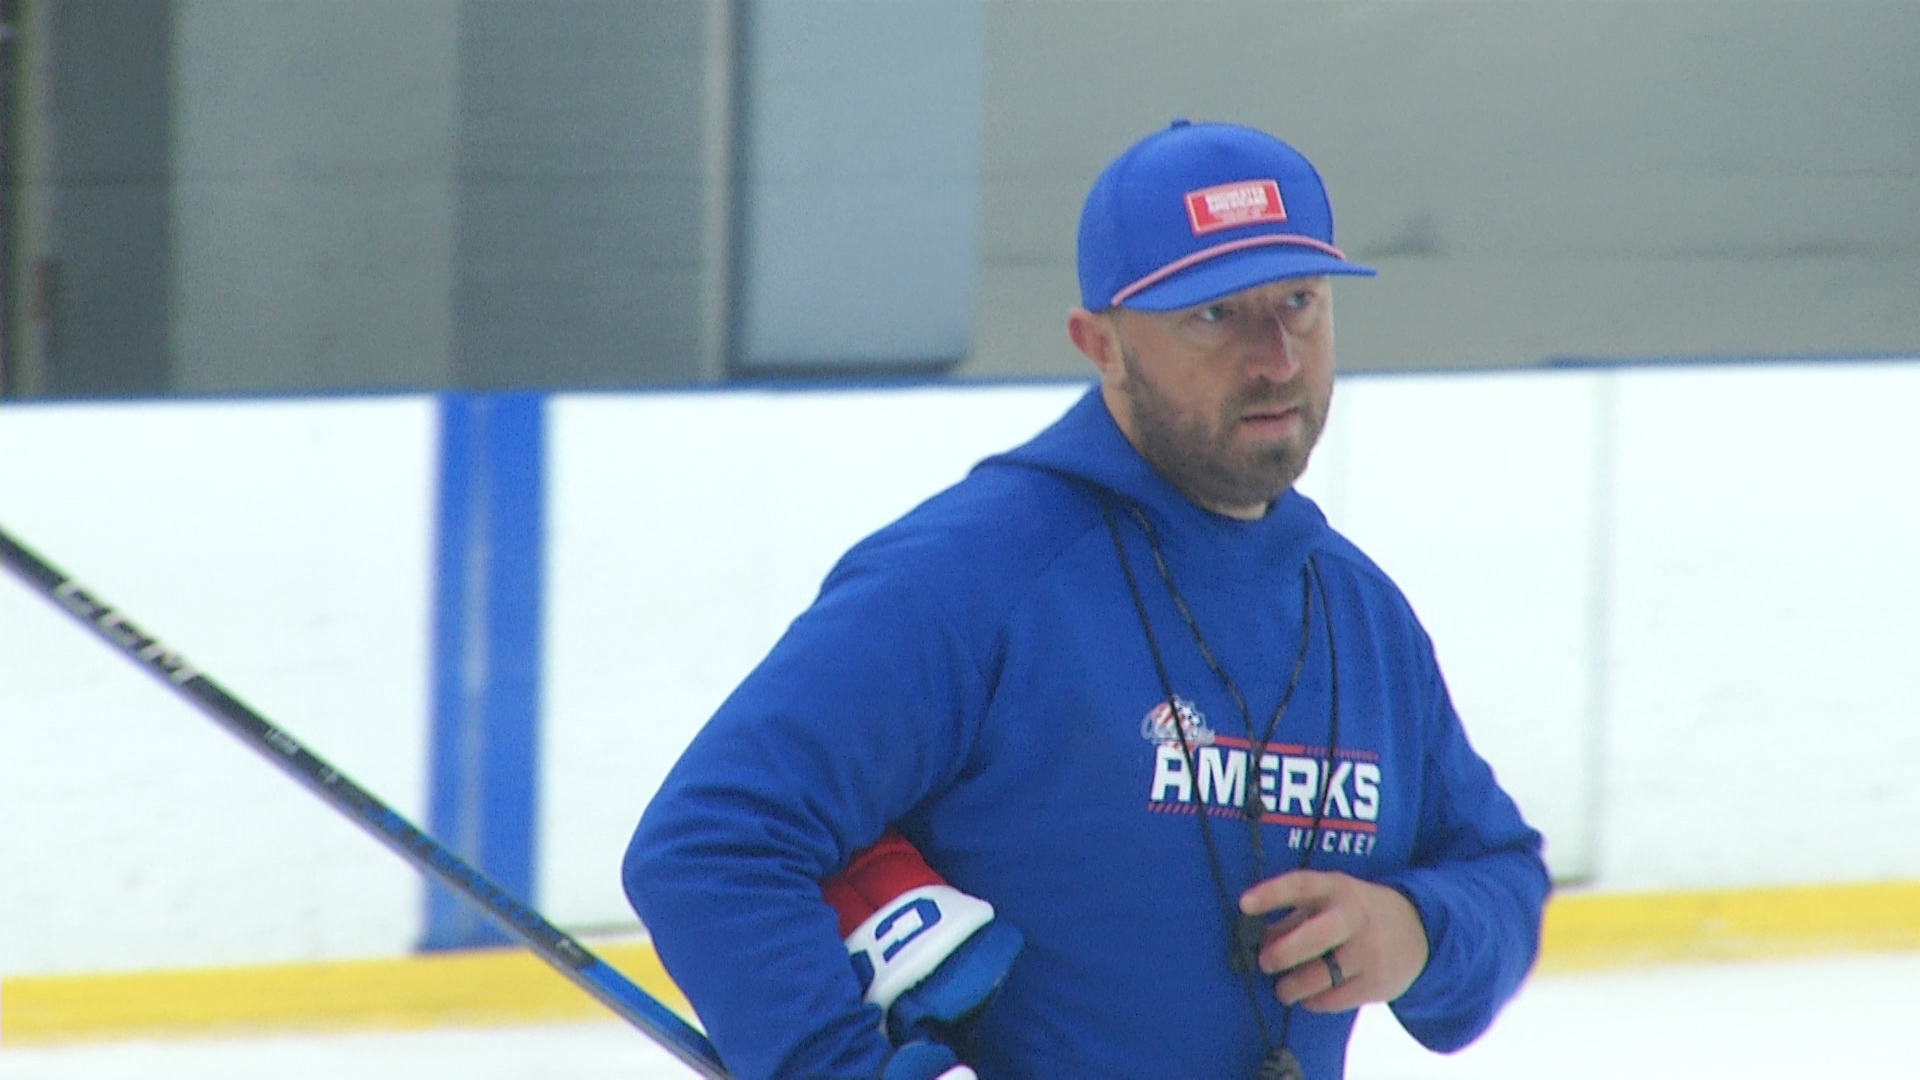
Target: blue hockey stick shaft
x: 427, y: 855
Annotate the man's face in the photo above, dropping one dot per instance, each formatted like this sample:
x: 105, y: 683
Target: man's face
x: 1226, y: 400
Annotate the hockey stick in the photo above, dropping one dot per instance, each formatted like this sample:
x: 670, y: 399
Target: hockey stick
x: 553, y: 945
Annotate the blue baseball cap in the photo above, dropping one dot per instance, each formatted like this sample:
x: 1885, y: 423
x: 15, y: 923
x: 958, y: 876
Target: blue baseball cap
x: 1198, y: 211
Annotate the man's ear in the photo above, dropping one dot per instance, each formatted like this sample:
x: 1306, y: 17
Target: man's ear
x: 1093, y: 335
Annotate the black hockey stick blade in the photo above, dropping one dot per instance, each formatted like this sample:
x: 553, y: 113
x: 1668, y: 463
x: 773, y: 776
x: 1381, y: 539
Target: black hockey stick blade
x: 429, y: 856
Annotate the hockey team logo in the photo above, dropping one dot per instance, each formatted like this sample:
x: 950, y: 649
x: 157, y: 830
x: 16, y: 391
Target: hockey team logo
x: 1331, y: 801
x: 1229, y: 206
x: 1158, y: 725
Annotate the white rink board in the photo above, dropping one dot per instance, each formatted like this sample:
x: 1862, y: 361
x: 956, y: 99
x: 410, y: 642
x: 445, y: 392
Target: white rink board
x: 1477, y: 494
x: 1764, y: 647
x: 1677, y: 608
x: 686, y: 531
x: 282, y: 548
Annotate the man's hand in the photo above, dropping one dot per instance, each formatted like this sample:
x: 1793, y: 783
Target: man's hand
x: 1371, y: 932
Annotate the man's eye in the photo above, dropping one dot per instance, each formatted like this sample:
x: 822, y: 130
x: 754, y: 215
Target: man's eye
x: 1301, y: 299
x: 1212, y: 313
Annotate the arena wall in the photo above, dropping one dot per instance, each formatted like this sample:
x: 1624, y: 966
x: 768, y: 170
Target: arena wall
x: 1677, y: 606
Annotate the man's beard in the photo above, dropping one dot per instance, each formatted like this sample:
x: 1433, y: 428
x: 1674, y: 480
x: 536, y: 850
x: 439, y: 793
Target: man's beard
x: 1201, y: 460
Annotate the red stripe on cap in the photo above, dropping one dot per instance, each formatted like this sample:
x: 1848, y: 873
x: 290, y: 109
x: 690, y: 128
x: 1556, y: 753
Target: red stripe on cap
x: 1218, y: 250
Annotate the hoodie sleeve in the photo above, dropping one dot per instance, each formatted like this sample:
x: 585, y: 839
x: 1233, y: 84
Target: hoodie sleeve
x: 865, y: 706
x: 1479, y: 884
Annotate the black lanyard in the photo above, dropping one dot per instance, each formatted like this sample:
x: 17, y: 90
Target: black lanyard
x: 1245, y: 931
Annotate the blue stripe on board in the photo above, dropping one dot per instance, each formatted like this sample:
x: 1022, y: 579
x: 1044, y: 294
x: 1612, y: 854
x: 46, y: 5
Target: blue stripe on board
x: 486, y: 652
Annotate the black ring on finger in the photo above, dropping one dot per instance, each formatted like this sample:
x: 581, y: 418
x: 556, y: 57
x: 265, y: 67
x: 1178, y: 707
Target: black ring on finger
x: 1333, y: 968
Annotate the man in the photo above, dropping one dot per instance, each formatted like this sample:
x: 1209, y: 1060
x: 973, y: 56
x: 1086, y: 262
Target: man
x: 1126, y: 685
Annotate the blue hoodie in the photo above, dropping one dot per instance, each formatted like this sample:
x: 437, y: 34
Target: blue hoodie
x: 977, y: 673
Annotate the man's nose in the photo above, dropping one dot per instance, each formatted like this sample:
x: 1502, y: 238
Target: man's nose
x: 1269, y: 350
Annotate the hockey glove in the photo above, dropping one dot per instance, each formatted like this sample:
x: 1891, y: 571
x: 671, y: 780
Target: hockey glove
x: 930, y: 956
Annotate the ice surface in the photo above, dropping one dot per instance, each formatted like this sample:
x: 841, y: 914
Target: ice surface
x: 1849, y: 1017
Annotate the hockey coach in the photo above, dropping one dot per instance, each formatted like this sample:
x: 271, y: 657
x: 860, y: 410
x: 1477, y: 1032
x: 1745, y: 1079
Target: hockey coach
x: 1186, y: 780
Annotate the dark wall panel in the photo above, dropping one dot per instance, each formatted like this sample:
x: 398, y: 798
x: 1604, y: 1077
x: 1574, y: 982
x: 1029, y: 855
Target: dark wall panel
x: 111, y: 237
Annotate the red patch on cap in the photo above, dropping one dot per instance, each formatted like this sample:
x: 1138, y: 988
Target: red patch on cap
x: 1229, y: 206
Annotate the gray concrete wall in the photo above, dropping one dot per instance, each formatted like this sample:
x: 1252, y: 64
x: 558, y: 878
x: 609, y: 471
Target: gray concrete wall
x: 1531, y: 177
x: 312, y: 189
x: 409, y: 193
x: 350, y: 194
x: 468, y: 193
x: 103, y: 303
x: 591, y: 192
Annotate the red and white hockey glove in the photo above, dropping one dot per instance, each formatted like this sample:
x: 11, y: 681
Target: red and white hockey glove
x: 930, y: 956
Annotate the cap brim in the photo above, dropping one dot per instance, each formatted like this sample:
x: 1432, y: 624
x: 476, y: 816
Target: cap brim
x: 1237, y: 270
